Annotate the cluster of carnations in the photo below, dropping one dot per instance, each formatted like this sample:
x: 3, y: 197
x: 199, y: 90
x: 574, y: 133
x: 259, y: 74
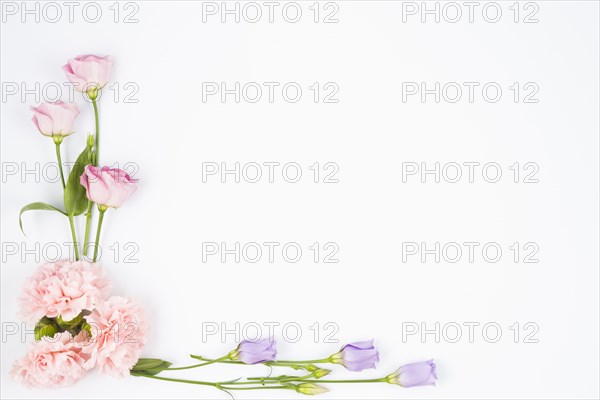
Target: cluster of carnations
x: 78, y: 326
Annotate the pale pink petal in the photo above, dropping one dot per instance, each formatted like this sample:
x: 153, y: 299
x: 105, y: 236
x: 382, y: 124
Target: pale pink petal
x: 61, y: 288
x: 108, y: 187
x: 119, y: 333
x: 89, y: 70
x: 52, y: 362
x: 79, y: 83
x: 55, y: 118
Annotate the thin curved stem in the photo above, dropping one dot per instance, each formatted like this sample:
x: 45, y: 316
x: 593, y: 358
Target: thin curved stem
x: 86, y: 236
x: 57, y: 143
x: 321, y: 361
x: 198, y: 365
x: 74, y: 235
x: 218, y: 385
x: 88, y: 214
x: 97, y: 145
x: 255, y: 387
x: 281, y: 378
x: 213, y: 360
x: 162, y: 378
x: 268, y: 363
x: 377, y: 380
x: 100, y: 219
x: 60, y: 166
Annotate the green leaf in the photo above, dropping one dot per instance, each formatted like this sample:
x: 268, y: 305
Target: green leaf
x: 87, y: 328
x: 37, y: 206
x: 75, y: 199
x: 149, y: 366
x: 75, y: 325
x: 45, y: 327
x: 69, y: 324
x: 159, y: 369
x: 147, y: 363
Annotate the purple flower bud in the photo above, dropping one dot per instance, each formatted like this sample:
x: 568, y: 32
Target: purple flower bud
x: 357, y: 356
x: 255, y: 352
x: 417, y: 374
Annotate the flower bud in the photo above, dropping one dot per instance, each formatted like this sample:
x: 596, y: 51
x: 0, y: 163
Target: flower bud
x: 417, y: 374
x: 107, y: 187
x: 89, y: 73
x: 310, y: 389
x: 92, y: 92
x: 254, y: 352
x: 357, y: 356
x: 55, y: 119
x: 321, y: 372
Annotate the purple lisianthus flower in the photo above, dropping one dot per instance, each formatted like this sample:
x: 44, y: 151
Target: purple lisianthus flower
x: 417, y: 374
x: 254, y: 352
x: 357, y: 356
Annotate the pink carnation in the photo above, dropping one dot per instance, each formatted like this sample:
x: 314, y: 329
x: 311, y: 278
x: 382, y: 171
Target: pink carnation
x: 119, y: 332
x: 63, y: 288
x: 52, y: 362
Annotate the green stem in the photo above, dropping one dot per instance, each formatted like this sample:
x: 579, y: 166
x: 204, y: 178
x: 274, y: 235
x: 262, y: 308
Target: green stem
x: 57, y: 143
x: 88, y: 219
x: 269, y: 363
x: 281, y: 378
x: 198, y: 365
x: 378, y: 380
x: 254, y: 388
x: 74, y: 235
x: 97, y: 145
x: 321, y: 361
x: 162, y: 378
x: 60, y: 166
x: 88, y: 215
x: 100, y: 219
x: 218, y: 385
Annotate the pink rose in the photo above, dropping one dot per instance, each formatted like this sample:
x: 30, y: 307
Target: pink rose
x: 63, y: 288
x: 88, y: 72
x: 108, y: 187
x: 118, y: 335
x: 55, y: 119
x: 52, y: 362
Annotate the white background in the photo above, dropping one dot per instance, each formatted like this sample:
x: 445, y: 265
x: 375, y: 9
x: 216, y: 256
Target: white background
x: 369, y: 134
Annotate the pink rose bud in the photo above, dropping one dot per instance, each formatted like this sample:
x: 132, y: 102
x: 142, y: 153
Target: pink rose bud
x: 55, y: 119
x: 89, y: 73
x: 108, y: 187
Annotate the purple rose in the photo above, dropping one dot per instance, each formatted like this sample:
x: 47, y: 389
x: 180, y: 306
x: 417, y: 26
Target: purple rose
x: 357, y: 356
x: 255, y: 352
x: 418, y: 374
